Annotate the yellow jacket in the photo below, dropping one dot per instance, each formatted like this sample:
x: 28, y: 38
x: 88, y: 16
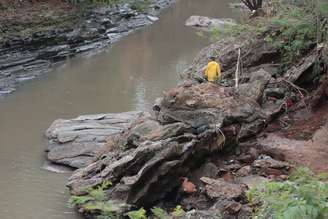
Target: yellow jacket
x: 213, y: 71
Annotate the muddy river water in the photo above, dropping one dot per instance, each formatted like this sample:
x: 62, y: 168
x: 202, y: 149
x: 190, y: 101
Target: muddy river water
x: 128, y: 76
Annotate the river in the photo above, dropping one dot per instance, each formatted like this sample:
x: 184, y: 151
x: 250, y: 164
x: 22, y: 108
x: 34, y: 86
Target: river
x: 128, y: 76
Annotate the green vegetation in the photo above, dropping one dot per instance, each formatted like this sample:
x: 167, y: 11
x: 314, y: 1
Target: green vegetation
x: 95, y: 201
x: 241, y: 29
x: 159, y: 213
x: 302, y: 196
x: 178, y: 212
x: 298, y: 26
x: 139, y: 214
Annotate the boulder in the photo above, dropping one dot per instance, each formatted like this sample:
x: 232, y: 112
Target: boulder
x: 154, y: 166
x: 207, y: 23
x: 267, y: 162
x: 252, y: 180
x: 208, y: 170
x: 207, y: 104
x: 218, y: 188
x: 146, y: 161
x: 75, y: 142
x: 255, y: 86
x: 298, y: 73
x: 244, y: 171
x: 267, y: 166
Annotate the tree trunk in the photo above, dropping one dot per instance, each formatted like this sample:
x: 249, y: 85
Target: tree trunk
x: 253, y: 4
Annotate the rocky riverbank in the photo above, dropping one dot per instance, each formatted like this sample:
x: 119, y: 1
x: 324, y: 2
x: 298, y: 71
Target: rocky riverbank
x: 205, y: 144
x: 33, y: 38
x: 213, y: 134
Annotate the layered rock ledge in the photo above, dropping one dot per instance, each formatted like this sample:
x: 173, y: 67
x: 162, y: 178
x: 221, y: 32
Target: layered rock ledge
x: 27, y: 56
x: 75, y: 142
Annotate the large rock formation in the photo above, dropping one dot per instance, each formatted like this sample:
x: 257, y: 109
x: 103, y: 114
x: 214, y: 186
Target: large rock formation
x: 146, y: 161
x: 75, y: 142
x: 193, y: 122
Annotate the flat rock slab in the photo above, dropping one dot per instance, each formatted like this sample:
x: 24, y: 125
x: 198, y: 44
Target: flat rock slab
x: 218, y: 188
x: 75, y: 142
x: 207, y: 23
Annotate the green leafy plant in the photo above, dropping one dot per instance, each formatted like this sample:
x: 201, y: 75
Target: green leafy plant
x: 178, y: 211
x: 139, y: 214
x: 95, y: 201
x: 159, y: 213
x: 299, y: 29
x: 302, y: 196
x: 297, y: 33
x: 79, y: 200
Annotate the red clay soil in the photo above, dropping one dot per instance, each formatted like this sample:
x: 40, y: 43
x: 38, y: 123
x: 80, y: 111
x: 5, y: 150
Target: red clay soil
x: 305, y: 140
x: 301, y: 125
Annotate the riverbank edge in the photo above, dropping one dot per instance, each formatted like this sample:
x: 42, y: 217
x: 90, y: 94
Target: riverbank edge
x: 24, y: 58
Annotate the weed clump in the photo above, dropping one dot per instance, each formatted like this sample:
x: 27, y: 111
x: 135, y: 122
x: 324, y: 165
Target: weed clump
x: 303, y: 196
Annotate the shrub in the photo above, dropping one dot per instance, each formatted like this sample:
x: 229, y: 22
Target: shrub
x: 95, y: 201
x: 297, y: 33
x: 159, y: 213
x: 178, y: 212
x: 139, y: 214
x: 302, y: 196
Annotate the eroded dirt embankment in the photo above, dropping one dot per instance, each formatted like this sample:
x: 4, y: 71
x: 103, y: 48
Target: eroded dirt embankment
x: 36, y: 34
x: 301, y: 139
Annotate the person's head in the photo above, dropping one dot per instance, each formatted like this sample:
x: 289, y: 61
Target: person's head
x: 212, y: 58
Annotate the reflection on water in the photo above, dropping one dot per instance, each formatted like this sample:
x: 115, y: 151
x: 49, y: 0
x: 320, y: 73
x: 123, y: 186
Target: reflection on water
x: 128, y: 76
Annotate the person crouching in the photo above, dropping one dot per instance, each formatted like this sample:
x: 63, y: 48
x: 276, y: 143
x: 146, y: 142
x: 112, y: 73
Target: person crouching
x: 213, y: 71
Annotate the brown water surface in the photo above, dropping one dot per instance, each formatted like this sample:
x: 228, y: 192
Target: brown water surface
x: 128, y: 76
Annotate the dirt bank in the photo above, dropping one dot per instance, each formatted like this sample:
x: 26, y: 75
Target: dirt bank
x: 301, y: 138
